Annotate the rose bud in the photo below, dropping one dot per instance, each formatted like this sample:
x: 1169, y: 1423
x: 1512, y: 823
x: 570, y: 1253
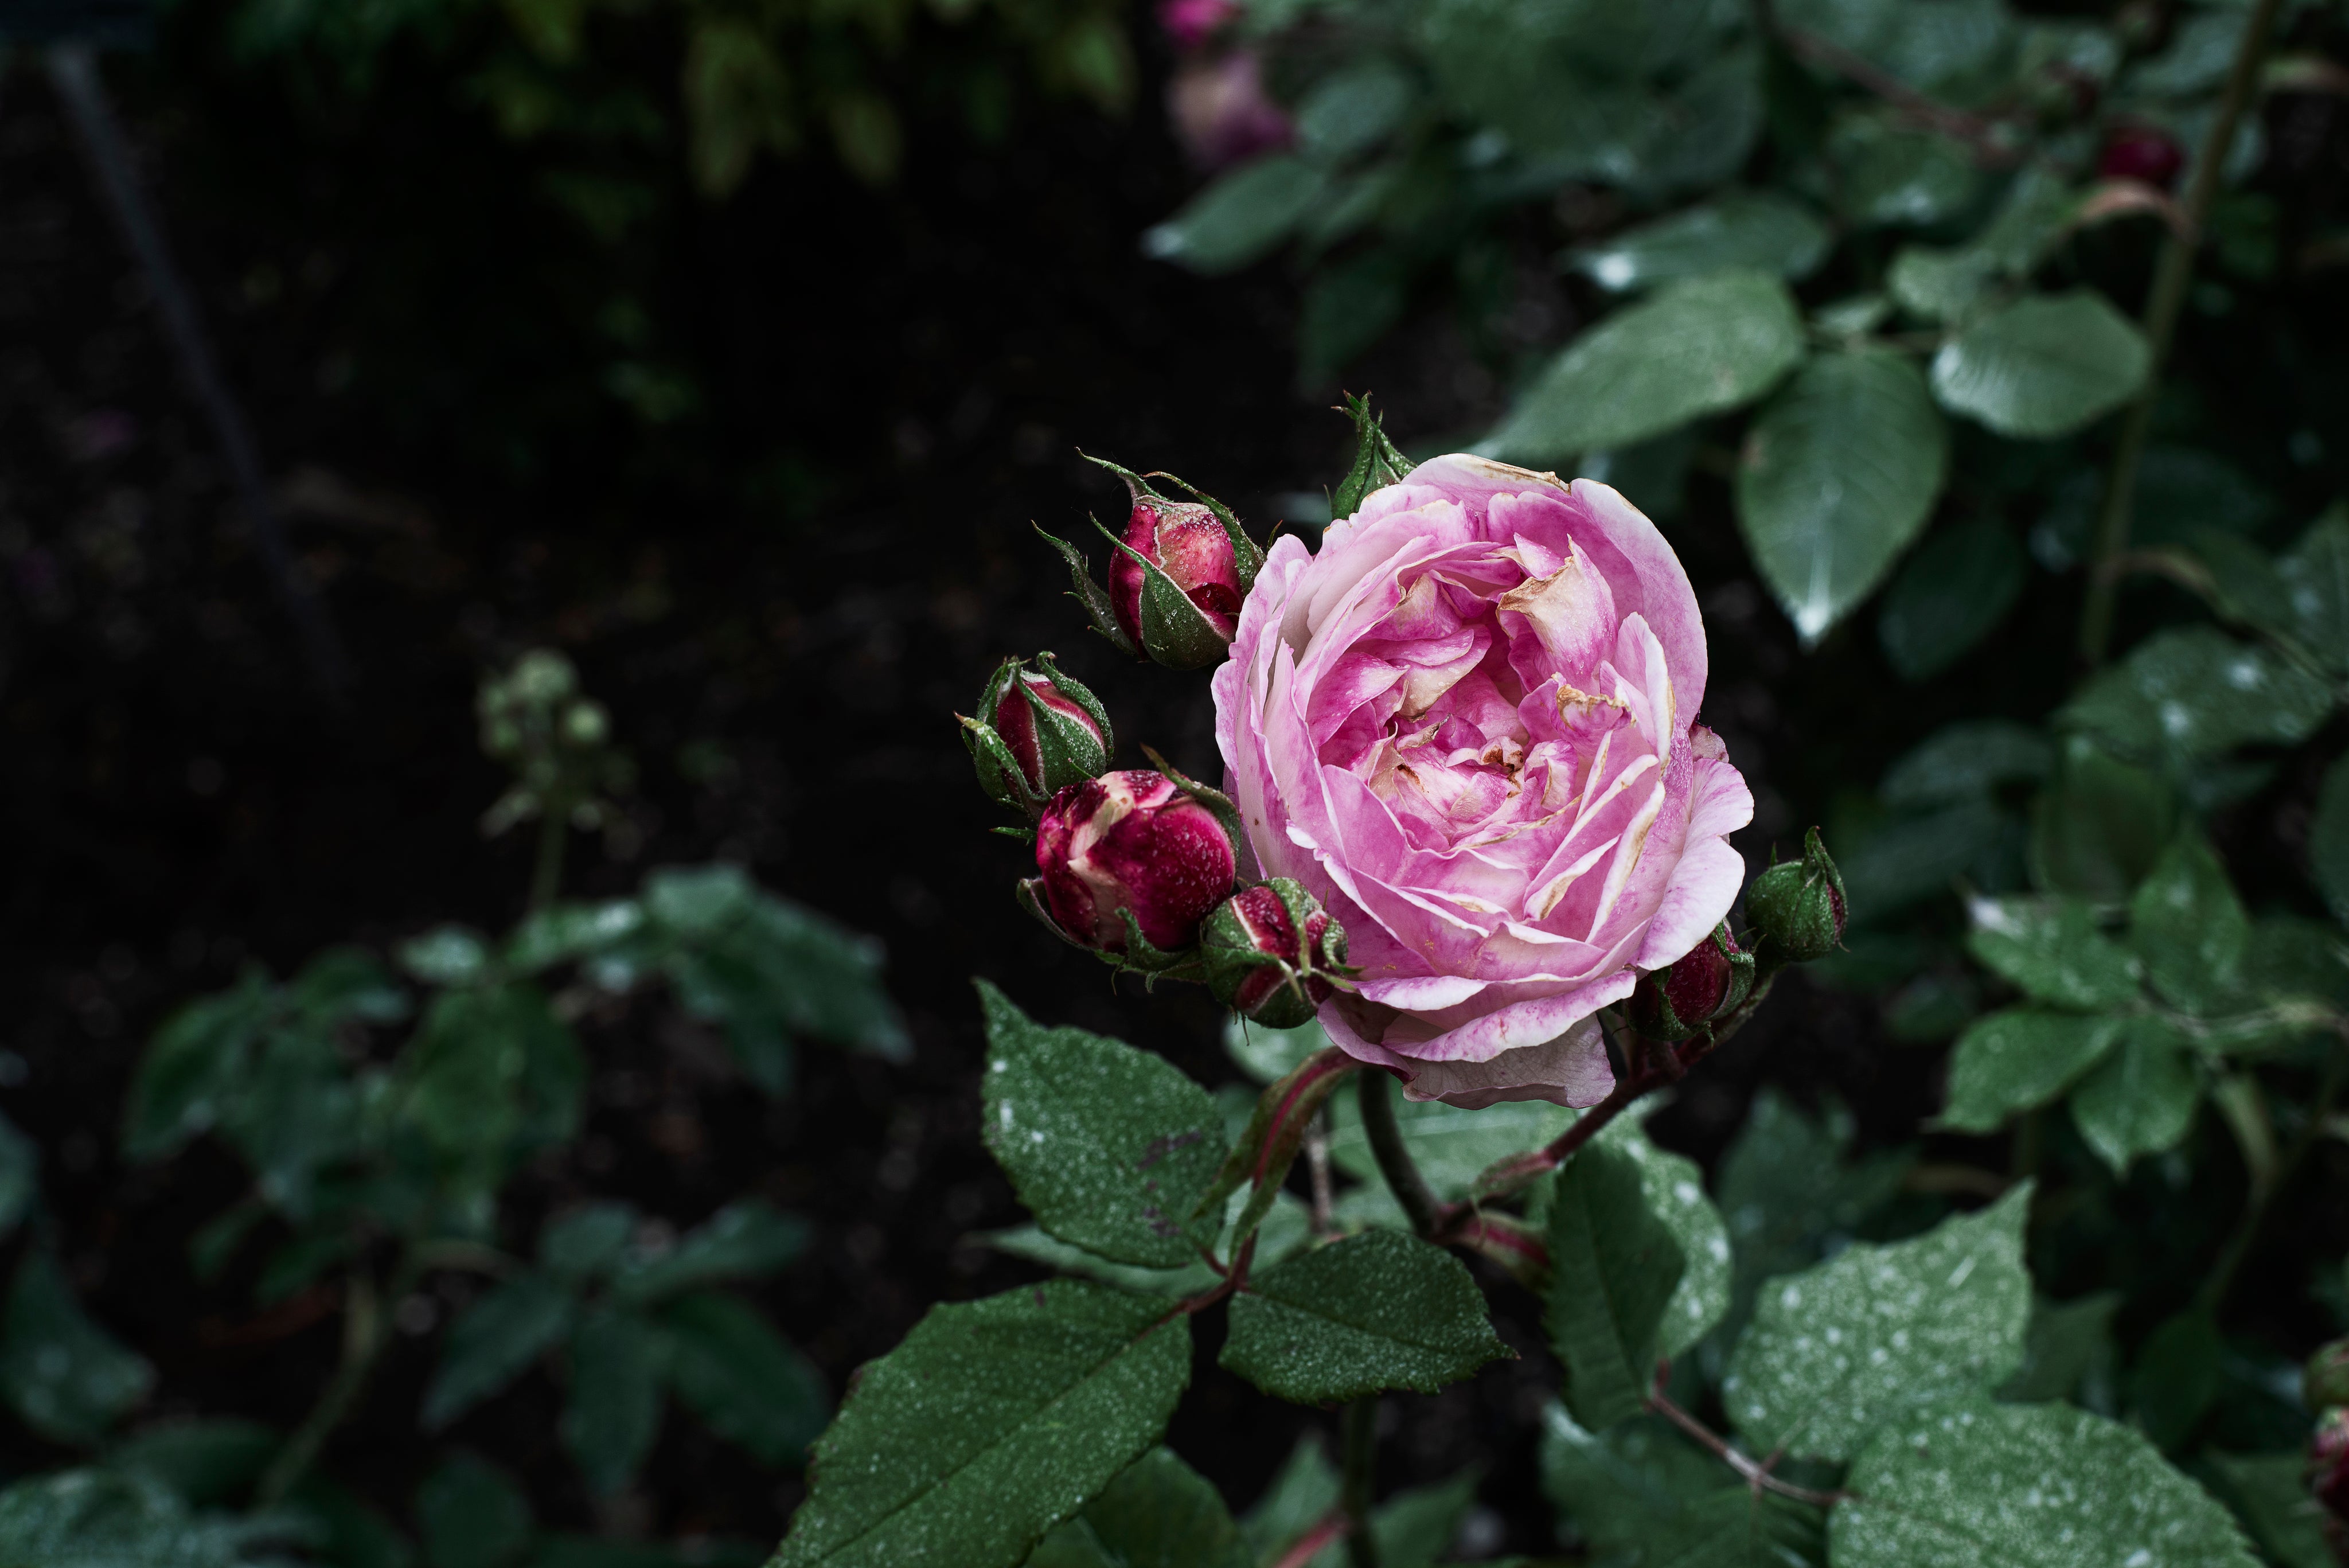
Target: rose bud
x: 2328, y: 1468
x: 1041, y: 734
x: 1704, y: 983
x: 1191, y: 23
x: 1176, y: 578
x: 2143, y: 153
x: 1129, y: 854
x: 2325, y: 1381
x: 1797, y: 906
x: 1256, y: 964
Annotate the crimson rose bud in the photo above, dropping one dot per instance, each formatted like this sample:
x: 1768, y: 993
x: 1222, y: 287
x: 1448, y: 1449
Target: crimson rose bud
x: 1798, y: 905
x: 2328, y: 1471
x: 1130, y: 851
x: 1040, y: 734
x: 1188, y: 543
x: 1704, y: 983
x: 1256, y: 964
x: 2143, y: 153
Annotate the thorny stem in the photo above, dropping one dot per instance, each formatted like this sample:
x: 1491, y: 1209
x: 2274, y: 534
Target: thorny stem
x: 2171, y: 275
x: 547, y: 872
x: 2221, y: 1277
x: 1755, y: 1473
x: 1976, y: 132
x: 1410, y: 1187
x: 1362, y: 1435
x: 362, y: 1341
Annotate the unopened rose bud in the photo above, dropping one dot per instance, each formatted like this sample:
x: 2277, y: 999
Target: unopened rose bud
x: 2143, y: 153
x: 1041, y: 732
x: 1257, y: 966
x: 1704, y: 983
x: 2328, y: 1471
x: 2325, y: 1381
x: 1129, y: 852
x: 1187, y: 542
x: 1797, y: 906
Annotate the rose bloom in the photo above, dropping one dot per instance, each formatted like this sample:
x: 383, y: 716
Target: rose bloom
x: 1466, y: 725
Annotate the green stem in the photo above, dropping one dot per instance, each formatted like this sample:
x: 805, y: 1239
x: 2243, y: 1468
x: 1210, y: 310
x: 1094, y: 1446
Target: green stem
x: 1404, y: 1179
x: 546, y: 872
x: 1362, y: 1435
x: 362, y: 1342
x: 2221, y: 1277
x: 2171, y: 275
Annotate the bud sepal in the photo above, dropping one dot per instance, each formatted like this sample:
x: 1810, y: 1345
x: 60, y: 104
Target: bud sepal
x: 1687, y: 997
x: 1176, y: 576
x: 1796, y: 906
x: 1039, y: 733
x: 1377, y: 462
x: 1273, y: 955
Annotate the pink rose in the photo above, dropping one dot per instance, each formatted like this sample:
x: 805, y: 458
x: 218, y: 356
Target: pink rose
x: 1130, y: 843
x: 1466, y: 727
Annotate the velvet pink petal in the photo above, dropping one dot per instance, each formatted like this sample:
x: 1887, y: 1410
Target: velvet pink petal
x: 1571, y: 1070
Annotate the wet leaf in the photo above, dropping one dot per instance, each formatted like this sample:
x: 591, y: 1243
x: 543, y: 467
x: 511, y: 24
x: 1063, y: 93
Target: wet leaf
x: 1381, y: 1310
x: 2193, y: 692
x: 493, y: 1343
x: 2142, y: 1099
x: 1613, y: 1267
x: 2044, y: 366
x: 2190, y: 928
x: 2019, y: 1058
x: 614, y: 1412
x: 2053, y: 950
x: 727, y: 1363
x: 1760, y: 231
x: 60, y: 1371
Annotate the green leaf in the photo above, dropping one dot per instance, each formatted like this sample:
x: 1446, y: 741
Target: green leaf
x: 1270, y: 1054
x: 1109, y: 1147
x: 1414, y: 1528
x: 1613, y: 1265
x: 2269, y: 1492
x: 2142, y: 1100
x: 1305, y: 1490
x: 491, y: 1077
x: 344, y: 1530
x: 1893, y: 174
x: 1759, y: 231
x: 1838, y: 476
x: 2328, y: 839
x: 2317, y: 577
x: 1900, y: 860
x: 2025, y: 1486
x: 1347, y: 308
x: 614, y: 1412
x: 495, y: 1342
x: 20, y: 1175
x: 1353, y: 111
x: 446, y: 955
x: 2019, y: 1058
x: 993, y: 1422
x: 92, y: 1519
x: 2052, y: 949
x: 2066, y: 1342
x: 192, y: 1067
x: 2043, y: 367
x: 1965, y: 761
x: 729, y: 1363
x: 59, y: 1370
x: 2177, y: 1377
x: 472, y: 1515
x: 1158, y: 1514
x: 1673, y: 1186
x: 1286, y: 1225
x: 1379, y: 1310
x: 2190, y: 928
x: 587, y: 1242
x: 206, y: 1462
x: 566, y: 933
x: 741, y: 1241
x: 1640, y: 1493
x: 2192, y: 692
x: 1838, y: 1349
x: 1953, y: 592
x: 2100, y: 826
x: 1696, y: 347
x: 1789, y: 1188
x: 1239, y: 218
x: 1451, y: 1147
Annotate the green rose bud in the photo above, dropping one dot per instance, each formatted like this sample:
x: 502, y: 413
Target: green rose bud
x: 1797, y: 906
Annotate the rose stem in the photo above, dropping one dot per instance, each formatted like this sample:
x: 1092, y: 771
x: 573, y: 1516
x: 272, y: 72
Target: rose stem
x: 1317, y: 1163
x: 2171, y: 275
x: 1361, y: 1434
x: 1756, y: 1475
x: 2221, y: 1276
x: 1409, y: 1189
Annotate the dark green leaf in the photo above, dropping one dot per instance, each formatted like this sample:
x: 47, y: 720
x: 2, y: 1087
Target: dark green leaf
x: 2043, y: 367
x: 2317, y: 577
x: 1675, y: 1188
x: 1759, y: 231
x: 1789, y: 1188
x: 1109, y: 1147
x: 2193, y: 692
x: 2269, y: 1492
x: 993, y: 1422
x: 1376, y: 1311
x: 739, y: 1375
x: 1697, y: 347
x: 1354, y: 109
x: 741, y: 1241
x: 1266, y: 1054
x: 1451, y: 1147
x: 1239, y: 218
x: 2099, y: 828
x: 1413, y: 1529
x: 1838, y: 1349
x: 59, y: 1370
x: 491, y: 1077
x: 1348, y: 307
x: 1966, y: 761
x: 1838, y: 476
x: 206, y: 1462
x: 495, y: 1342
x: 471, y: 1514
x: 1903, y: 859
x: 2142, y: 1100
x: 1299, y: 1497
x: 2052, y: 949
x: 342, y: 1528
x: 2019, y: 1058
x: 1613, y: 1265
x: 2176, y: 1378
x: 20, y: 1175
x: 2065, y: 1342
x: 194, y: 1063
x: 2025, y: 1486
x: 1894, y: 174
x: 1032, y: 1242
x: 614, y: 1412
x: 2190, y: 928
x: 90, y: 1518
x: 447, y: 955
x: 1954, y: 591
x: 2328, y: 839
x: 564, y: 934
x: 586, y: 1242
x: 1640, y: 1493
x: 1159, y: 1513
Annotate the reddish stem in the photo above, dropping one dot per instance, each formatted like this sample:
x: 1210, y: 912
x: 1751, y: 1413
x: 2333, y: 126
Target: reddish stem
x: 1756, y: 1475
x: 1309, y: 1545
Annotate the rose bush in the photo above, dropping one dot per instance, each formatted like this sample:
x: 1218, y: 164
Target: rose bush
x: 1466, y: 726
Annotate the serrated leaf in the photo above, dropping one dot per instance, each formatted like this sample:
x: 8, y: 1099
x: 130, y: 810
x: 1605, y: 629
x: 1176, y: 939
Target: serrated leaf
x: 1951, y: 593
x: 1381, y: 1310
x: 60, y: 1371
x: 2328, y: 839
x: 1838, y: 1349
x: 2098, y: 828
x: 1158, y: 1514
x: 1640, y: 1493
x: 2142, y: 1099
x: 1760, y: 231
x: 2316, y: 575
x: 1674, y: 1186
x: 1240, y: 218
x: 2269, y: 1492
x: 741, y: 1241
x: 1613, y: 1266
x: 1838, y: 476
x: 993, y: 1422
x: 2026, y: 1486
x: 471, y: 1514
x: 2043, y: 367
x: 1789, y: 1188
x: 2019, y: 1058
x: 2193, y: 692
x: 495, y: 1342
x: 2066, y: 1341
x: 614, y: 1412
x: 1110, y: 1147
x: 727, y: 1363
x: 2190, y: 928
x: 1286, y: 1225
x: 2053, y: 950
x: 1696, y: 348
x: 1451, y: 1147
